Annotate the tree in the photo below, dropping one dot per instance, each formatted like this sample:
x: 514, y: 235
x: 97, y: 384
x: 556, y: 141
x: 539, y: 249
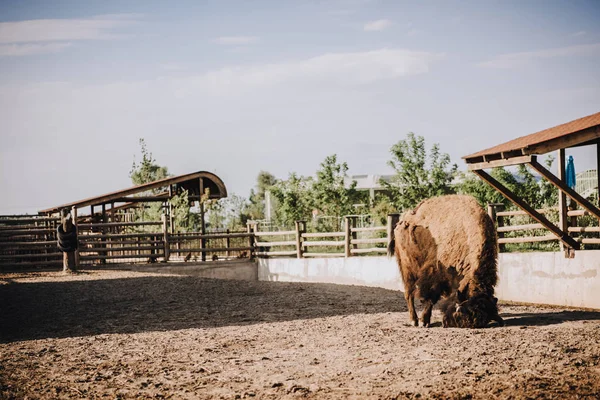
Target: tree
x: 294, y: 199
x: 147, y: 170
x: 330, y: 194
x: 256, y: 208
x: 537, y: 193
x: 418, y: 175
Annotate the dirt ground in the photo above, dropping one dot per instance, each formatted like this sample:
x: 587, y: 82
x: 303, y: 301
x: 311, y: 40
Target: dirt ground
x: 120, y: 334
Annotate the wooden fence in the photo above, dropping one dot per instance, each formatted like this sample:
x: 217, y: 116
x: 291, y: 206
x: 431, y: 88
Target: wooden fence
x: 517, y: 227
x: 30, y: 241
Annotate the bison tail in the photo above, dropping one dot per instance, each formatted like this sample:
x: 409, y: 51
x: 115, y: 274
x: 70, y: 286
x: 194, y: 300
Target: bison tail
x: 391, y: 247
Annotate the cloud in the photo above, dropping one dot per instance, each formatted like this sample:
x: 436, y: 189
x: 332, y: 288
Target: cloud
x: 51, y: 30
x: 514, y: 60
x: 23, y: 38
x: 15, y: 50
x: 580, y: 33
x: 347, y: 69
x: 236, y: 40
x: 377, y: 25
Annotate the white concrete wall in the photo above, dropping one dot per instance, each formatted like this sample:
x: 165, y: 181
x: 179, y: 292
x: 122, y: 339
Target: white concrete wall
x: 541, y: 278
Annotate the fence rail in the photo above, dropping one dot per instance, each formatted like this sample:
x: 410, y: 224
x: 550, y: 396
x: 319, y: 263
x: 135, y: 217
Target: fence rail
x: 31, y: 242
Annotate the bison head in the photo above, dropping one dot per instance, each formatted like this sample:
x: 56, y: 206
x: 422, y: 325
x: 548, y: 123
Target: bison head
x: 476, y: 311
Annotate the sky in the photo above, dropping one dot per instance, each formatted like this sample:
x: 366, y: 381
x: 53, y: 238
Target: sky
x: 239, y: 87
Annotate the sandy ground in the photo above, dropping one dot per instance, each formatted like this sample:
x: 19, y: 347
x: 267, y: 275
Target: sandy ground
x: 117, y: 334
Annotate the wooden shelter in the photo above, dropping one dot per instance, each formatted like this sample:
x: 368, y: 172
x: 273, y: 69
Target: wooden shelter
x: 524, y: 150
x: 196, y: 183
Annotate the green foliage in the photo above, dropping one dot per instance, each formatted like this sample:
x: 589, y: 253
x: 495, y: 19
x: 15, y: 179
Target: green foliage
x: 382, y: 206
x: 228, y: 213
x: 538, y: 194
x: 329, y: 193
x: 294, y: 199
x: 418, y: 175
x: 147, y: 170
x: 256, y: 207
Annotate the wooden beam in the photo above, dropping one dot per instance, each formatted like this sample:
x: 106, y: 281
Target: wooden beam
x: 566, y: 141
x: 562, y: 198
x: 499, y: 163
x: 564, y: 188
x: 559, y: 233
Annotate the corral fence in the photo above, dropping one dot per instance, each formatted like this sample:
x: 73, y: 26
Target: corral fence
x: 30, y: 241
x: 517, y: 231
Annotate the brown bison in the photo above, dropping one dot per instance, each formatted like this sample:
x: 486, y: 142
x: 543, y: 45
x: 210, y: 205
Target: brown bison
x: 447, y: 247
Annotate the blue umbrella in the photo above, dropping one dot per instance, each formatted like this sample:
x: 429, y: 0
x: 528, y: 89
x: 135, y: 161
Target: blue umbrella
x: 570, y: 173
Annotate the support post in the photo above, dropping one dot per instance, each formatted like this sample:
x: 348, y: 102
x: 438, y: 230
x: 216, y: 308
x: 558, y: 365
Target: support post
x: 202, y: 230
x: 347, y: 236
x: 166, y: 237
x: 498, y: 221
x: 228, y: 244
x: 562, y: 198
x: 300, y: 229
x: 251, y: 227
x: 103, y: 230
x: 560, y: 234
x: 392, y: 221
x: 74, y: 216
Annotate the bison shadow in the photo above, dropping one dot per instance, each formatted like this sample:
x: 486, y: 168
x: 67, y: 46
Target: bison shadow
x: 160, y: 303
x: 549, y: 318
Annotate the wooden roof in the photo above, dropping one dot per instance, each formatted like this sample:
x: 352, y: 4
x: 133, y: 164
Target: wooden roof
x: 195, y: 183
x: 579, y: 132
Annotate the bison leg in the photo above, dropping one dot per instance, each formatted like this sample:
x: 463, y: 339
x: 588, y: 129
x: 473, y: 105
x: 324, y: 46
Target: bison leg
x: 409, y: 295
x: 426, y: 315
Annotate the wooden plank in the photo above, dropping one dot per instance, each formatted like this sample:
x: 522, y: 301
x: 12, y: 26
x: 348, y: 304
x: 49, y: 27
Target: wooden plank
x: 323, y: 255
x: 276, y: 253
x: 520, y: 212
x: 116, y: 249
x: 565, y: 142
x: 563, y: 222
x: 563, y: 236
x: 323, y: 234
x: 21, y: 232
x: 371, y: 250
x: 270, y: 244
x: 29, y: 244
x: 369, y: 241
x: 577, y: 213
x: 588, y: 240
x: 564, y: 188
x: 209, y: 250
x: 324, y: 243
x: 512, y: 228
x: 120, y: 235
x: 23, y: 256
x: 178, y: 237
x: 498, y: 163
x: 280, y: 233
x: 124, y: 256
x: 582, y: 229
x: 370, y: 229
x: 109, y: 224
x: 530, y: 239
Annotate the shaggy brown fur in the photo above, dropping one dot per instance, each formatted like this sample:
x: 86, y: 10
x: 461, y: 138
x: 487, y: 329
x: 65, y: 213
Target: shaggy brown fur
x: 448, y: 244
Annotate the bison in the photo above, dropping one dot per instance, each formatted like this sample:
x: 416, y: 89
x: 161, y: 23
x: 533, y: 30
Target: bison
x: 447, y: 248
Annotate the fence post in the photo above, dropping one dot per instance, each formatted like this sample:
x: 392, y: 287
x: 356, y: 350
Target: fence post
x: 300, y: 229
x: 166, y: 237
x: 74, y: 215
x: 228, y: 244
x: 392, y: 221
x: 251, y: 228
x: 498, y: 221
x: 347, y: 236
